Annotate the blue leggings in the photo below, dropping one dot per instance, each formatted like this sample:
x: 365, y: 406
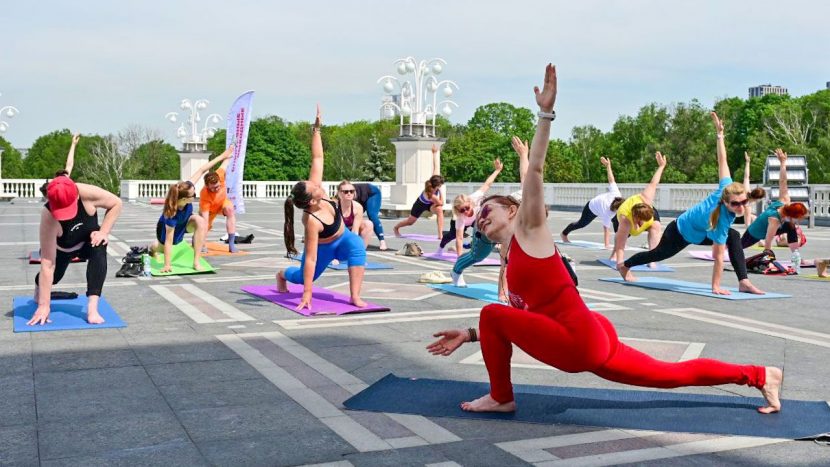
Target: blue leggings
x: 480, y: 248
x: 373, y: 210
x: 348, y: 247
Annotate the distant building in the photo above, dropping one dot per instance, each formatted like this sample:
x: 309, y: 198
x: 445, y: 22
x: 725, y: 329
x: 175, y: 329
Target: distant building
x: 764, y: 89
x: 828, y: 85
x: 388, y: 110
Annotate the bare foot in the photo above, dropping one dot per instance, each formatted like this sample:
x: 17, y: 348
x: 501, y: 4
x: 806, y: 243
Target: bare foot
x: 746, y: 286
x: 93, y: 317
x: 356, y: 301
x: 397, y: 232
x: 197, y: 265
x: 383, y: 246
x: 625, y: 272
x: 775, y: 377
x: 652, y: 265
x: 564, y: 238
x: 486, y: 403
x: 282, y: 284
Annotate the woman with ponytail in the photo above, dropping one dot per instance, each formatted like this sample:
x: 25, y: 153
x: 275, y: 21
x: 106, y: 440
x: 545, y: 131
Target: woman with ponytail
x: 177, y: 219
x: 431, y: 199
x: 603, y: 206
x: 780, y: 217
x: 707, y: 223
x: 326, y: 237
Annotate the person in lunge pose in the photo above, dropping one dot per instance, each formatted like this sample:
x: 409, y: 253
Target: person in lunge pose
x: 68, y: 229
x: 637, y: 214
x: 599, y: 206
x: 554, y: 325
x: 213, y: 199
x: 352, y: 211
x: 465, y: 209
x: 431, y: 199
x: 177, y: 219
x: 780, y: 217
x: 369, y: 196
x: 707, y: 223
x: 480, y: 248
x: 326, y: 238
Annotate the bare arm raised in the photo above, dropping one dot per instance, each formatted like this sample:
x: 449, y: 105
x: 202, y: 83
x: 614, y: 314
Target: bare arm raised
x: 70, y: 157
x: 783, y: 191
x: 723, y: 165
x: 316, y: 173
x: 650, y: 190
x: 497, y: 168
x: 209, y: 164
x: 522, y: 150
x: 606, y: 162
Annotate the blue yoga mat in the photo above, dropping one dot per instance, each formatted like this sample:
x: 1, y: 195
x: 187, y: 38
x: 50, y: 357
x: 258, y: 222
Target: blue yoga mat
x: 694, y: 288
x: 65, y: 315
x: 344, y: 266
x: 611, y: 408
x: 660, y: 267
x: 486, y: 292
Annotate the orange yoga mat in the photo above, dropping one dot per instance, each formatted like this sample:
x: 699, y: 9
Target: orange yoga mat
x: 221, y: 249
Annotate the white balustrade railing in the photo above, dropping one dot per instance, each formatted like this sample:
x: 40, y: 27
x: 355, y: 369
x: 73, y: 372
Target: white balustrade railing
x: 669, y: 198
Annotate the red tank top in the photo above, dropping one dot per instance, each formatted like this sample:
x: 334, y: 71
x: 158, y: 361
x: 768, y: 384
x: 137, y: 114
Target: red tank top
x: 539, y: 283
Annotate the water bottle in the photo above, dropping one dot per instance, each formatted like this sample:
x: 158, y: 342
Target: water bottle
x: 145, y: 262
x: 796, y: 259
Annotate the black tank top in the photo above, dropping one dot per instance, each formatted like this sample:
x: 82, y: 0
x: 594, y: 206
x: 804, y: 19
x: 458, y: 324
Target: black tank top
x: 329, y: 230
x: 79, y: 228
x: 362, y: 192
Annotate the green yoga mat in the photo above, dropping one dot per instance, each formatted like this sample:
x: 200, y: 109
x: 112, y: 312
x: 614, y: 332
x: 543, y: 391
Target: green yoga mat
x: 182, y: 262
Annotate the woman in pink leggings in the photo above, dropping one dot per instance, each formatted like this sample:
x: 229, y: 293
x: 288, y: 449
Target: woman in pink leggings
x: 547, y: 317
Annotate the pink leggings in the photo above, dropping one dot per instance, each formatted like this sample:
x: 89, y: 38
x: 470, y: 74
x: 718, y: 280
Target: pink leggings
x: 578, y: 340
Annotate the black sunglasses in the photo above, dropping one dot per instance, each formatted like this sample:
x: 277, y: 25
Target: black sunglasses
x: 347, y: 192
x: 735, y: 204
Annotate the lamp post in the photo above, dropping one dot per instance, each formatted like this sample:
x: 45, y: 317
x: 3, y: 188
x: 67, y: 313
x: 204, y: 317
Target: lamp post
x: 8, y: 111
x: 193, y: 138
x: 415, y: 92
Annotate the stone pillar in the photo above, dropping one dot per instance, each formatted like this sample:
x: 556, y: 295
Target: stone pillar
x: 190, y: 163
x: 413, y: 167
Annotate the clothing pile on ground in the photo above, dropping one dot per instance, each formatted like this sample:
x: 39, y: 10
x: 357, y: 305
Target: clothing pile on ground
x: 132, y: 264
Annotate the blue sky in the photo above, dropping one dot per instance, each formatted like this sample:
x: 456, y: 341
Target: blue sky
x: 99, y: 66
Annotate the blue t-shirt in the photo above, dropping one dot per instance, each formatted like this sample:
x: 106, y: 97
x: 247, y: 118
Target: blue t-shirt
x: 178, y: 222
x: 758, y: 229
x: 694, y: 223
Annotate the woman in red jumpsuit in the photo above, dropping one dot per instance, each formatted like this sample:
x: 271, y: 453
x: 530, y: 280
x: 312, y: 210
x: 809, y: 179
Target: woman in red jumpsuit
x: 548, y: 319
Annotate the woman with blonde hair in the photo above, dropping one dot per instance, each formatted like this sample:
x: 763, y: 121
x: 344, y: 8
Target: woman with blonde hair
x: 430, y: 199
x: 353, y: 212
x: 707, y: 223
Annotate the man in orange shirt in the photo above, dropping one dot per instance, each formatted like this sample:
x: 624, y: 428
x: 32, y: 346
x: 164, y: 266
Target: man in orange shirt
x: 213, y: 199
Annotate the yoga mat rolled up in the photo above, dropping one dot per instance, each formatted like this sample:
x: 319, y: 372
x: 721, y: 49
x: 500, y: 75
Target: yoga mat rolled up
x: 181, y: 263
x: 612, y: 408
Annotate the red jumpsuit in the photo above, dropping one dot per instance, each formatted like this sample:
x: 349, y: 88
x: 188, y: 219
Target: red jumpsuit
x: 557, y: 328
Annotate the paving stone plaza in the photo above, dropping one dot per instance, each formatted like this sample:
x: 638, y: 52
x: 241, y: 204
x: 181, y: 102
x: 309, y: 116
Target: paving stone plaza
x: 205, y: 374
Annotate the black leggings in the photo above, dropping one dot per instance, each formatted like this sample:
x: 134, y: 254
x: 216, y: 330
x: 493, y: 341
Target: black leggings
x: 96, y: 267
x: 585, y: 219
x: 672, y: 242
x: 747, y: 240
x: 450, y: 235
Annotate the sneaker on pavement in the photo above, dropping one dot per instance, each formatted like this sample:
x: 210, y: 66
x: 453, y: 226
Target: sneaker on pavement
x: 458, y: 279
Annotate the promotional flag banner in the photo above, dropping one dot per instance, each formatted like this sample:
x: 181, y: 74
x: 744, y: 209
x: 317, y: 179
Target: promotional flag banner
x: 239, y: 119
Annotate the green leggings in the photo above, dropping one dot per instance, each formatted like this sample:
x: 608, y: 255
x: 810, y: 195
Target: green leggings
x: 480, y: 248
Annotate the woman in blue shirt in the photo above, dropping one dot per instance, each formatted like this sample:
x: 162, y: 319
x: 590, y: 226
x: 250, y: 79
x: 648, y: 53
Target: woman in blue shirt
x: 780, y: 217
x: 177, y: 219
x: 707, y: 223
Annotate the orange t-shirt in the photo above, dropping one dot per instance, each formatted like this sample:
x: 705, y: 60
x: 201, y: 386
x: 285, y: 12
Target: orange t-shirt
x: 210, y: 201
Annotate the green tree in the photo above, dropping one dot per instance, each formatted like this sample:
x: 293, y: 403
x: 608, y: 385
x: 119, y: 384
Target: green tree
x: 562, y: 165
x: 12, y: 163
x: 378, y: 165
x: 154, y: 160
x: 504, y: 119
x: 48, y: 155
x: 468, y: 157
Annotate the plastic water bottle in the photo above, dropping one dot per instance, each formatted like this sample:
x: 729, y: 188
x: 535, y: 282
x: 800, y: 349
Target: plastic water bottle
x: 145, y: 262
x: 796, y: 259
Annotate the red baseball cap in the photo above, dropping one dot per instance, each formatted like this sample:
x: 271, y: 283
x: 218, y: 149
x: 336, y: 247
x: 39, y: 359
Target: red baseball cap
x: 62, y: 194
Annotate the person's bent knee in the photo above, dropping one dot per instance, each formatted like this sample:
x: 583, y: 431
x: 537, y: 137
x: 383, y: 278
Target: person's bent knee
x: 293, y: 274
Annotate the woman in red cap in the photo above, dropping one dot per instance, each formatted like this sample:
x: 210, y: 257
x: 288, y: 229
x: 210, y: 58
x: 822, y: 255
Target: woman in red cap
x: 69, y: 228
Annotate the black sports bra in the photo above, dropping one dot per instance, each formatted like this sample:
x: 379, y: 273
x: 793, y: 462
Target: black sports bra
x: 77, y: 229
x: 329, y: 230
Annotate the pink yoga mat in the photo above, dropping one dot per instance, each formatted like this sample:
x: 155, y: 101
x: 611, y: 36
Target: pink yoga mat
x: 451, y: 256
x: 323, y: 301
x: 706, y: 255
x: 420, y: 238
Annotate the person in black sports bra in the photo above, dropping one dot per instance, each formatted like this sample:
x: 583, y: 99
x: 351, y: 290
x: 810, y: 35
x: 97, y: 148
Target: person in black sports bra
x: 69, y: 228
x: 326, y: 238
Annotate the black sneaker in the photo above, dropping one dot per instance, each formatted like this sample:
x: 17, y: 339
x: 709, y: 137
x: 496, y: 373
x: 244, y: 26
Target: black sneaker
x: 124, y: 268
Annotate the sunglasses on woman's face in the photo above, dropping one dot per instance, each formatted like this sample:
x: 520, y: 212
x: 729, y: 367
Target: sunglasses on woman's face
x: 347, y: 192
x: 486, y: 209
x: 736, y: 204
x: 464, y: 209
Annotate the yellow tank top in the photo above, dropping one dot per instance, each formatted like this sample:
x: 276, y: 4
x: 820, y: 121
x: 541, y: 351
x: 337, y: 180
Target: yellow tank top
x: 624, y: 212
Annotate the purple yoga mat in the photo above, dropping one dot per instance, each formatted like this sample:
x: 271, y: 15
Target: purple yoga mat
x: 323, y: 301
x: 451, y: 256
x: 420, y: 238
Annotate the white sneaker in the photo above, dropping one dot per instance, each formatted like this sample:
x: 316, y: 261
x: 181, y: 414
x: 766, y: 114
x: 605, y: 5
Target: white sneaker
x: 439, y: 251
x: 458, y: 279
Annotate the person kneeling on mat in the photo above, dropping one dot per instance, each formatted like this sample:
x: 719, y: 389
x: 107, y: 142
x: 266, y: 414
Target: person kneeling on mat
x: 69, y: 228
x: 326, y: 237
x: 176, y: 220
x: 553, y: 324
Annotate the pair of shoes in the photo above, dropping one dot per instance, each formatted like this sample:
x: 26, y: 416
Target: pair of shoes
x: 130, y: 270
x: 434, y: 277
x: 246, y: 239
x: 139, y: 250
x: 410, y: 249
x: 458, y: 279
